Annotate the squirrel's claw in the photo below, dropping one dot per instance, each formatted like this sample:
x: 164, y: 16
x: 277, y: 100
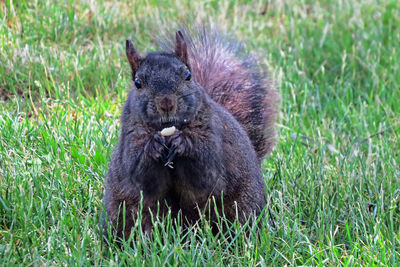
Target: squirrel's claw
x: 169, y: 164
x: 155, y: 147
x: 178, y: 145
x: 170, y: 157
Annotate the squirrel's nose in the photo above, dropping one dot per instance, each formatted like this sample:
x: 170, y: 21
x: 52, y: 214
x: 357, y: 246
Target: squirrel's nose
x: 167, y: 104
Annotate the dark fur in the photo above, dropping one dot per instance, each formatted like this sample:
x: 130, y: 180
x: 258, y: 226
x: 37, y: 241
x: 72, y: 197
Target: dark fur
x: 211, y: 153
x: 237, y: 81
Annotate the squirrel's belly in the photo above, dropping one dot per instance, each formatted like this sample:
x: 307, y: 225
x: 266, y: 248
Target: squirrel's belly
x: 190, y: 176
x: 192, y: 190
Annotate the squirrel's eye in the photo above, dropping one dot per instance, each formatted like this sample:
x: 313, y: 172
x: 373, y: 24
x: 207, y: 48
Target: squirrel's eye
x: 188, y: 75
x: 137, y: 83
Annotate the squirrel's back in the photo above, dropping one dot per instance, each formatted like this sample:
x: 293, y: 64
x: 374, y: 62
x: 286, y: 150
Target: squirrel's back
x: 237, y: 81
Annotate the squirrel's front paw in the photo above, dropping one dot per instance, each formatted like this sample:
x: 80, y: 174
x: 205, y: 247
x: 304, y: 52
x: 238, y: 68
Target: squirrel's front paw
x: 178, y: 144
x: 155, y: 147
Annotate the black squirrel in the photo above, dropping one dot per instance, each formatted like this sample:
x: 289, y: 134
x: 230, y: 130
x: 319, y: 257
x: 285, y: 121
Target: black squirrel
x: 223, y: 110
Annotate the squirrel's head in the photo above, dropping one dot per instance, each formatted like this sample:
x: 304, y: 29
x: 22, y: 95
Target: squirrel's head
x: 165, y: 92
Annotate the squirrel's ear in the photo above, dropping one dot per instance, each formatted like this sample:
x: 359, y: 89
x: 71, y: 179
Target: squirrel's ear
x: 181, y: 48
x: 133, y: 56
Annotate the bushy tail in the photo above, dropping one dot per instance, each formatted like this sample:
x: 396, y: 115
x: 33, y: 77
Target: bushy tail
x: 237, y: 81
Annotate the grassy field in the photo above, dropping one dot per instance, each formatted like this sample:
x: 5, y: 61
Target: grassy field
x: 333, y: 181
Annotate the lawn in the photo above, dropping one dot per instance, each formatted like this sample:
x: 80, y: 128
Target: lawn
x: 333, y: 181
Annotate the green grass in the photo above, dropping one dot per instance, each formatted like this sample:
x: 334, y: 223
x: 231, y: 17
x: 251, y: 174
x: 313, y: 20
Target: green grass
x: 333, y: 181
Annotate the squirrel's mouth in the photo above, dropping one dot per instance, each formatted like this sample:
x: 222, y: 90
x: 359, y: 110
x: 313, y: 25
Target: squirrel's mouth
x: 165, y: 122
